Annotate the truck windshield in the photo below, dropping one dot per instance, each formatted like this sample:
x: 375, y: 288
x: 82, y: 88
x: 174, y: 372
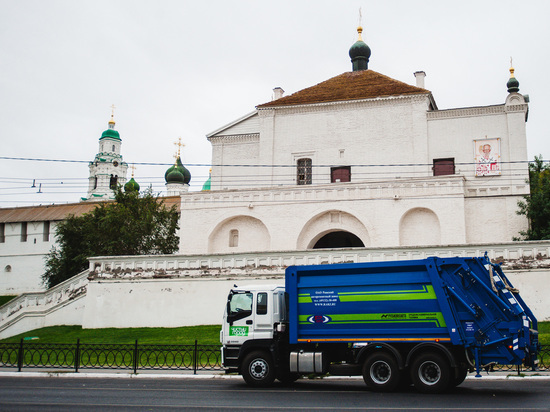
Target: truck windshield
x: 240, y: 304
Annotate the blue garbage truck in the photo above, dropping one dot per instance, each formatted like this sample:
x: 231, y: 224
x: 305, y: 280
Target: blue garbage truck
x: 422, y: 322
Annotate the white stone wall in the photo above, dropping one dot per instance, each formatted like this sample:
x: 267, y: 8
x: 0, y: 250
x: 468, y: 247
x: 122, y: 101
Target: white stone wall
x: 22, y: 263
x: 294, y: 218
x: 157, y: 303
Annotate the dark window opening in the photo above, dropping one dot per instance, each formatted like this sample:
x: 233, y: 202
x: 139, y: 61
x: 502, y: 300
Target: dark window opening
x: 444, y: 167
x: 304, y: 172
x: 113, y: 182
x: 2, y: 232
x: 95, y: 182
x: 338, y: 240
x: 46, y: 237
x: 340, y: 174
x: 23, y: 231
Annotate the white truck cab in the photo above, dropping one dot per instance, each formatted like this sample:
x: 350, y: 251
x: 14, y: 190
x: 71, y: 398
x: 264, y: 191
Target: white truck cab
x: 252, y: 316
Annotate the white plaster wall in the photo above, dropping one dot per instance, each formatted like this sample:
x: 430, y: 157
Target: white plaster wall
x: 366, y: 133
x: 233, y: 153
x: 251, y: 235
x: 452, y: 135
x: 493, y: 219
x: 158, y: 303
x: 372, y: 213
x: 533, y: 288
x: 26, y: 259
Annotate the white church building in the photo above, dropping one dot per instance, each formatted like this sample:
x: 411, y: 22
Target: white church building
x: 362, y: 160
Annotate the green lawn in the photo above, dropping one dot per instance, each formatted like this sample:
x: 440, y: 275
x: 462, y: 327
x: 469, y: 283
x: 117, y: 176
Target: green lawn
x: 205, y: 335
x: 544, y: 333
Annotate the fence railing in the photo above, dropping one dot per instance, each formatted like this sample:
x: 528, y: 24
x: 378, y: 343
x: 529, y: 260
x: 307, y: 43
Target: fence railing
x: 133, y: 357
x: 136, y: 357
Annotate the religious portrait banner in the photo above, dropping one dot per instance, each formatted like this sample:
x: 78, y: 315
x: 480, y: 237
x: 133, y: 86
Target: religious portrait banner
x: 487, y: 157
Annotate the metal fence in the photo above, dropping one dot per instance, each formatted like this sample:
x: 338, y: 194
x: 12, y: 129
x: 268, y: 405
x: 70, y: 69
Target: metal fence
x: 110, y: 356
x: 143, y: 357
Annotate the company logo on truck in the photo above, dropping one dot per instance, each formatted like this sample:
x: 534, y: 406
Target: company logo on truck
x: 238, y: 331
x: 319, y: 319
x: 393, y: 316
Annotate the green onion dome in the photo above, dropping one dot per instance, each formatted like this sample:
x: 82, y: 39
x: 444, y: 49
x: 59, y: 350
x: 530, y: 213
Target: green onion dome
x: 177, y: 173
x: 113, y: 134
x: 359, y: 53
x: 513, y: 84
x: 110, y: 132
x: 131, y: 186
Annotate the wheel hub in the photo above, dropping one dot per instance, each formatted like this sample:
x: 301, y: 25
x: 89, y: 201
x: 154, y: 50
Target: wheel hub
x: 258, y: 369
x: 380, y: 372
x: 429, y: 373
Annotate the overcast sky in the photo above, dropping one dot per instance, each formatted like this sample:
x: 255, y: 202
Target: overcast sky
x: 183, y: 69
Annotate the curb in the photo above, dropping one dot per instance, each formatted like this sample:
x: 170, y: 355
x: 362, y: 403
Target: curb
x: 214, y: 376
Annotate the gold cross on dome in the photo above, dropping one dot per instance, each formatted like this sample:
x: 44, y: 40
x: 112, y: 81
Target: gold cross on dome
x: 113, y: 107
x: 179, y: 144
x: 133, y: 167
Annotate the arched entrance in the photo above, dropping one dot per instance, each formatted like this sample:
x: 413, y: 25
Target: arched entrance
x: 339, y: 239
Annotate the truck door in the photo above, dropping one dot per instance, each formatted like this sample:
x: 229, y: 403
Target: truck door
x: 263, y: 315
x: 248, y: 317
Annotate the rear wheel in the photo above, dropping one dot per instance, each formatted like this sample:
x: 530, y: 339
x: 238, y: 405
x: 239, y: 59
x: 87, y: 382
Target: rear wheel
x: 257, y: 369
x: 431, y: 373
x: 381, y: 373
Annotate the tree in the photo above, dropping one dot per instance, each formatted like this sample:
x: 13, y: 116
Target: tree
x: 131, y: 225
x: 536, y: 206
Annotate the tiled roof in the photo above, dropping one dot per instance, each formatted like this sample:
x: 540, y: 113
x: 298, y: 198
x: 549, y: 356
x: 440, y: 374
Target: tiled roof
x: 365, y: 84
x: 60, y: 212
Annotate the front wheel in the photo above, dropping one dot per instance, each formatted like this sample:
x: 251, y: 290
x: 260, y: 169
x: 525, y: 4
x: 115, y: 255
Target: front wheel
x: 381, y: 373
x: 431, y: 373
x: 258, y: 370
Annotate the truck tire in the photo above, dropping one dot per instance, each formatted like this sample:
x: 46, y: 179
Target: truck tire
x: 288, y: 378
x: 381, y: 373
x: 459, y: 375
x: 257, y: 369
x: 431, y: 373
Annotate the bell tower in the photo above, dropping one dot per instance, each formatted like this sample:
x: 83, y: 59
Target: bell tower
x: 107, y: 170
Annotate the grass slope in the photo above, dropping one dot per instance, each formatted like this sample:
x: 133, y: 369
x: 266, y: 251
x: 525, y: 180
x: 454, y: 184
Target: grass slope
x: 205, y: 335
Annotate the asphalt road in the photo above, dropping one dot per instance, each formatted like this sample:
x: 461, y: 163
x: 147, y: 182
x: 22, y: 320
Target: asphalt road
x: 105, y: 394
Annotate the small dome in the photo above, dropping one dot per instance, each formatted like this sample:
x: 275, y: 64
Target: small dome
x: 513, y: 84
x: 131, y: 186
x: 359, y: 53
x: 173, y: 175
x: 177, y: 173
x: 113, y: 134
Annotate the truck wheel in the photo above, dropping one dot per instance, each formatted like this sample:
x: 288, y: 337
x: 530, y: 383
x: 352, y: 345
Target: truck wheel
x: 258, y: 370
x: 431, y: 373
x: 381, y: 373
x: 287, y: 378
x: 459, y: 375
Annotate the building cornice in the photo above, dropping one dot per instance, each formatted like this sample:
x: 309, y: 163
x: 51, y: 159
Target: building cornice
x: 235, y: 138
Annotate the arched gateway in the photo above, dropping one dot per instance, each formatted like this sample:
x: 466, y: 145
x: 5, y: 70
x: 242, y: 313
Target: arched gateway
x: 333, y: 229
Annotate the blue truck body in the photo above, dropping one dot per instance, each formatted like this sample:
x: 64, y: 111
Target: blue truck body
x: 423, y: 322
x: 466, y: 302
